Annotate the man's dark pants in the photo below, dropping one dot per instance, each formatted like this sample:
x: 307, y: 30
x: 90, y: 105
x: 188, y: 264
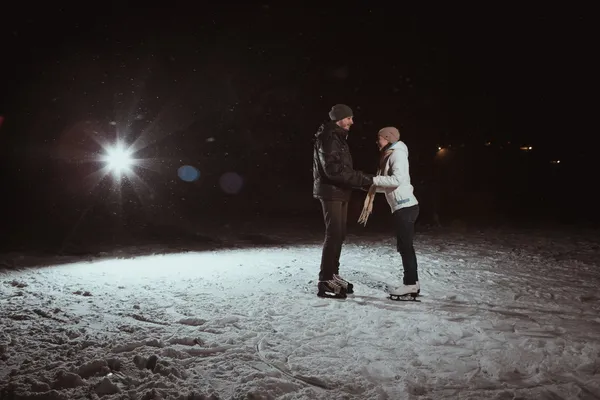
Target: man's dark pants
x: 335, y: 215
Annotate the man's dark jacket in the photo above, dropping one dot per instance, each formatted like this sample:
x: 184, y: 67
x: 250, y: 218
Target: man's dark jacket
x: 333, y: 173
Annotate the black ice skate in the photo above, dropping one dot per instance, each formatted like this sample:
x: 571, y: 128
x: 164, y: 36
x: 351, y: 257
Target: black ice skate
x: 345, y: 284
x: 331, y: 289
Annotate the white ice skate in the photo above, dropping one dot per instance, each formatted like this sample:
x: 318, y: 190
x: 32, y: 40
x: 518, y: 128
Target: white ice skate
x: 405, y: 292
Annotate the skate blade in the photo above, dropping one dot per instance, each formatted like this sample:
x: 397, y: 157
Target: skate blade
x: 329, y: 295
x: 404, y: 297
x: 387, y: 289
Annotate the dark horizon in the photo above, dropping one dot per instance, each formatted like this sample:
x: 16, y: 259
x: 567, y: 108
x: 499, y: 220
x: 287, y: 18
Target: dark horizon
x: 244, y: 90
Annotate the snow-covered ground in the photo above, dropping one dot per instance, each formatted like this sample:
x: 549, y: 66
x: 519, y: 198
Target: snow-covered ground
x: 503, y: 316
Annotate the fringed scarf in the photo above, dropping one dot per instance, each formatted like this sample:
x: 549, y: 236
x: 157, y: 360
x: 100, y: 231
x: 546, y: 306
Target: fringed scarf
x: 368, y: 204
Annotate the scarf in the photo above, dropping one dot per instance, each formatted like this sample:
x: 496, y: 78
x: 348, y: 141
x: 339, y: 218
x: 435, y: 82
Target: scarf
x: 368, y: 203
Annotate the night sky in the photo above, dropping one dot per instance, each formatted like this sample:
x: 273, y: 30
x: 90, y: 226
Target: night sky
x: 242, y: 89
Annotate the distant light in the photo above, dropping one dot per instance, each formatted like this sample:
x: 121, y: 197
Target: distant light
x: 441, y: 152
x: 488, y: 143
x: 555, y: 162
x: 526, y: 148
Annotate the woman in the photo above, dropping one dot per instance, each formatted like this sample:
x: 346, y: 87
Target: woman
x: 393, y: 179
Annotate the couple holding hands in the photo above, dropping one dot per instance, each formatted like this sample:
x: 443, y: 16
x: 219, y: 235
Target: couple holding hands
x: 334, y: 180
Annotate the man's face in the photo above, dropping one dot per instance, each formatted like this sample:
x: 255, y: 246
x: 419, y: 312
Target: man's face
x: 345, y: 123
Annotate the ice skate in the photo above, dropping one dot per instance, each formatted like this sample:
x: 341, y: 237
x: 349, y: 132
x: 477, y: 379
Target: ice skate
x: 331, y: 289
x: 345, y: 284
x: 404, y: 293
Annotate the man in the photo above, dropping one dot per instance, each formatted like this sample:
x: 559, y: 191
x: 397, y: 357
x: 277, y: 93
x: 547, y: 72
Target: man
x: 393, y: 179
x: 334, y: 179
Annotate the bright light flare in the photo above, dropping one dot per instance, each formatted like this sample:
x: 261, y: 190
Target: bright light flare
x: 119, y: 160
